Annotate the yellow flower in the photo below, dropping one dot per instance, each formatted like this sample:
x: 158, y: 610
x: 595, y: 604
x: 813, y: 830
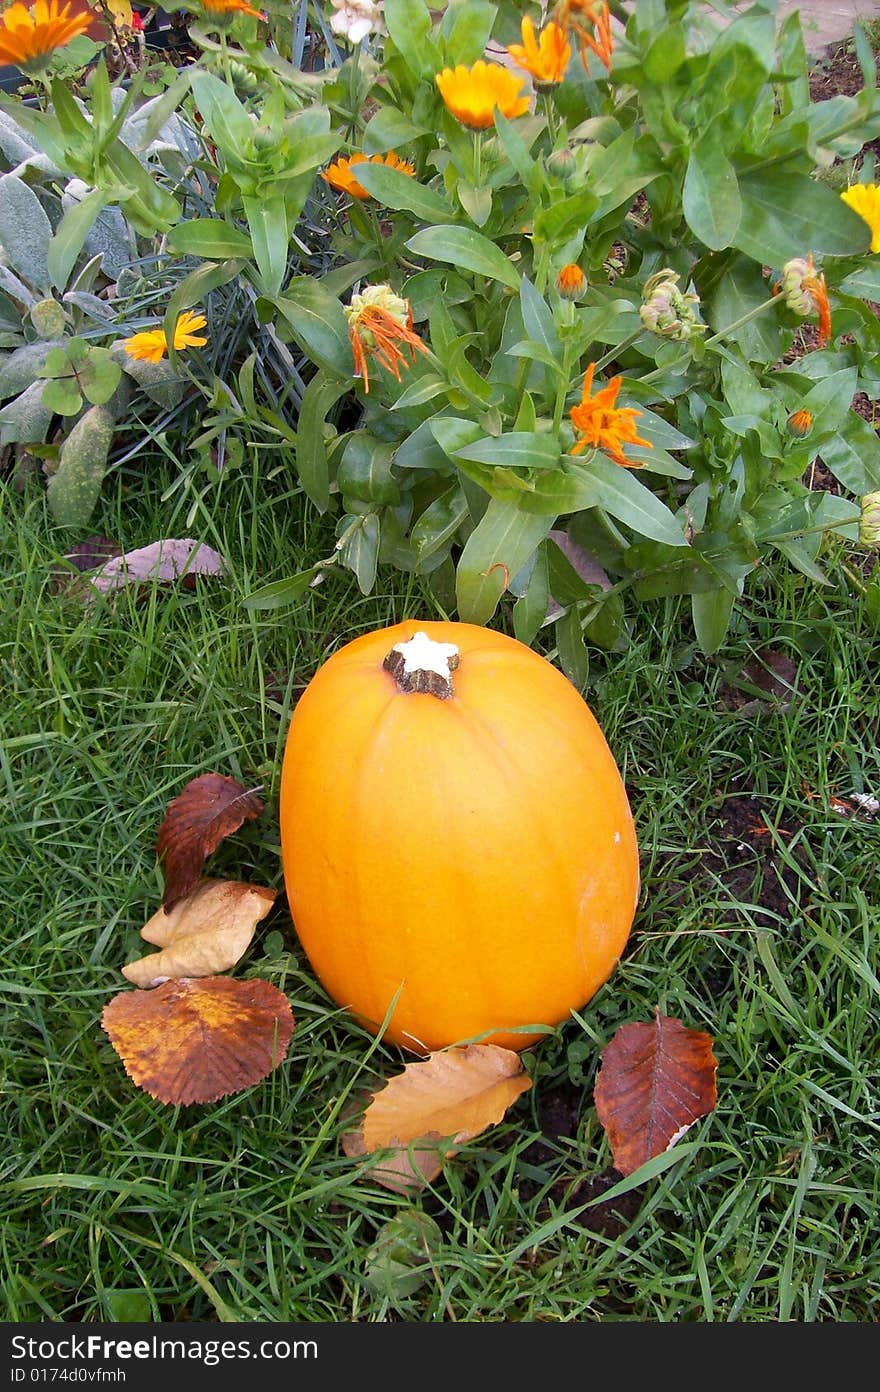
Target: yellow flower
x: 571, y: 281
x: 29, y: 37
x: 472, y: 94
x: 152, y: 345
x: 378, y: 322
x: 604, y: 425
x: 222, y: 11
x: 864, y: 199
x: 547, y: 58
x: 339, y: 175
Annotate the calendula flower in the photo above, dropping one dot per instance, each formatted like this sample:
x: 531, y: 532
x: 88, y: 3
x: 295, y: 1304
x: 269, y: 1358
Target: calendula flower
x: 545, y: 58
x: 152, y: 345
x: 355, y: 19
x: 221, y: 12
x: 339, y: 175
x: 666, y: 310
x: 864, y: 199
x: 378, y: 323
x: 805, y: 292
x: 576, y: 15
x: 29, y: 37
x: 799, y: 424
x: 603, y: 425
x: 571, y: 281
x: 869, y: 522
x: 472, y: 94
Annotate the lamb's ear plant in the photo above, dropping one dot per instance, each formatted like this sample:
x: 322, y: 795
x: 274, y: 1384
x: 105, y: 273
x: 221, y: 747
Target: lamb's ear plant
x: 580, y: 277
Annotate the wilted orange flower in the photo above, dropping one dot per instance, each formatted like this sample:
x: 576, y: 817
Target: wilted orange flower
x: 152, y: 345
x: 571, y: 281
x: 805, y: 292
x: 29, y: 36
x: 339, y: 175
x: 570, y: 13
x: 221, y: 10
x: 378, y: 322
x: 604, y: 425
x: 864, y: 199
x: 545, y: 58
x: 472, y: 94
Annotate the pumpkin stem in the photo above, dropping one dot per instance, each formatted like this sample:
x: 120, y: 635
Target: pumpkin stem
x: 422, y: 665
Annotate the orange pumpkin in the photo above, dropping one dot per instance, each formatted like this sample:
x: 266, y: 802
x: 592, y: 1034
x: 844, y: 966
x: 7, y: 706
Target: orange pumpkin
x: 458, y: 849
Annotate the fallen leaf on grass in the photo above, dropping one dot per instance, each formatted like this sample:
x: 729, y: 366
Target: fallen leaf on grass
x: 165, y: 560
x: 197, y: 1041
x: 456, y: 1093
x: 767, y: 680
x: 205, y: 933
x: 654, y: 1082
x: 210, y: 808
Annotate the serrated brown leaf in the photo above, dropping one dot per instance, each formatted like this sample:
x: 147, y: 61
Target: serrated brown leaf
x: 457, y: 1092
x: 210, y: 808
x: 654, y: 1081
x: 197, y: 1041
x: 205, y: 933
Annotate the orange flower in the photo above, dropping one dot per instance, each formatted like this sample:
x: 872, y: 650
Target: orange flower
x: 152, y: 345
x: 546, y: 59
x: 378, y: 322
x: 571, y: 281
x: 800, y: 424
x: 604, y: 425
x: 472, y: 94
x: 600, y: 40
x: 221, y: 11
x: 339, y: 175
x: 805, y: 292
x: 29, y: 37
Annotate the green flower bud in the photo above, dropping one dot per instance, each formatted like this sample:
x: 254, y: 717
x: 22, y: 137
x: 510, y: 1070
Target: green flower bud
x: 869, y: 522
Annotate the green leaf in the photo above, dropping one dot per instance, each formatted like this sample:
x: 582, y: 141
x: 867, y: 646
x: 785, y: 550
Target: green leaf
x: 573, y: 657
x: 282, y: 592
x: 212, y: 239
x: 500, y: 545
x: 463, y: 247
x: 311, y: 449
x: 387, y: 130
x: 100, y: 376
x: 439, y: 522
x: 402, y: 191
x: 466, y: 30
x: 711, y: 611
x: 802, y: 556
x: 360, y: 553
x: 226, y: 120
x: 625, y: 498
x: 63, y: 396
x: 424, y: 388
x: 317, y: 321
x: 710, y: 199
x: 783, y: 214
x: 267, y: 220
x: 477, y: 202
x: 74, y: 487
x: 565, y: 216
x: 516, y: 449
x: 517, y: 151
x: 530, y: 609
x: 829, y: 399
x: 863, y: 283
x: 538, y: 319
x: 742, y: 287
x: 365, y: 470
x: 71, y: 234
x: 25, y: 232
x: 852, y: 455
x: 409, y: 24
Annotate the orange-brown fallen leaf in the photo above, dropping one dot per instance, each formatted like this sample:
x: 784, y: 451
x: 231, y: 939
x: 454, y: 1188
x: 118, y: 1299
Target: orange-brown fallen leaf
x: 454, y: 1094
x: 205, y: 933
x: 169, y: 559
x: 654, y: 1082
x: 199, y: 1040
x: 210, y: 808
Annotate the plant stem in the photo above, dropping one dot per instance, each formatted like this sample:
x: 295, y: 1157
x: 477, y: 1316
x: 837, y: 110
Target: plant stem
x: 478, y: 158
x: 620, y: 348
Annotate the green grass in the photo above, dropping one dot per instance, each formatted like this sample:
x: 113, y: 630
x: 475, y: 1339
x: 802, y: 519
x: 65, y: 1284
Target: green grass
x: 114, y: 1206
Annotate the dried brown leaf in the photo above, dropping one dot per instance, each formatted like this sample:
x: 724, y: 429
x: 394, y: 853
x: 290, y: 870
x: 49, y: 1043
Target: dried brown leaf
x: 767, y: 680
x: 654, y: 1082
x: 197, y: 1041
x: 205, y: 933
x: 210, y: 808
x: 455, y: 1093
x: 166, y: 560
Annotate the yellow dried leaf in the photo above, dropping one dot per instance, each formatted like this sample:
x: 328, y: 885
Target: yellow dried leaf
x: 455, y: 1093
x: 205, y: 933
